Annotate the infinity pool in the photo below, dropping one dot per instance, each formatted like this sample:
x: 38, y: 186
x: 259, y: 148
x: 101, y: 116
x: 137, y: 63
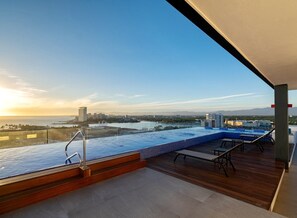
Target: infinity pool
x: 21, y: 160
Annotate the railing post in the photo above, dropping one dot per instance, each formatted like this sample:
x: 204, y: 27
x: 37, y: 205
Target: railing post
x: 86, y: 171
x: 84, y: 151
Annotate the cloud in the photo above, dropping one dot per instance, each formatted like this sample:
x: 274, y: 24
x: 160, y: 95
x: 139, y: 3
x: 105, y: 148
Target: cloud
x: 136, y: 96
x: 33, y: 90
x: 214, y: 99
x: 220, y: 102
x: 130, y: 96
x: 195, y: 101
x: 13, y: 82
x: 22, y: 98
x: 86, y: 100
x: 60, y: 107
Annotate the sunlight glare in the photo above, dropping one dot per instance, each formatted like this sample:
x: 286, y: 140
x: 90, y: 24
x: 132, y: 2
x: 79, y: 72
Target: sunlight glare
x: 9, y: 98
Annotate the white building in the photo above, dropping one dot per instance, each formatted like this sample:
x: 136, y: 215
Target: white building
x: 214, y: 120
x: 82, y: 114
x: 265, y: 123
x: 250, y: 123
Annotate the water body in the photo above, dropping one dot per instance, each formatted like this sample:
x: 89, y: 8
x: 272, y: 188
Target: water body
x: 142, y: 125
x: 58, y: 121
x: 53, y: 121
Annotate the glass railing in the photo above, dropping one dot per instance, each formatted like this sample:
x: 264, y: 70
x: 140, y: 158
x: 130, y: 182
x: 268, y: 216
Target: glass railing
x: 10, y: 139
x: 18, y: 138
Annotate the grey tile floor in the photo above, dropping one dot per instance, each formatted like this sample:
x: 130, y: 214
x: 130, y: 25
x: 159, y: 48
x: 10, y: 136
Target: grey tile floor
x: 286, y: 202
x: 142, y: 193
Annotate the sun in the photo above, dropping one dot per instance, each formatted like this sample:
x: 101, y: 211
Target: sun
x: 9, y: 99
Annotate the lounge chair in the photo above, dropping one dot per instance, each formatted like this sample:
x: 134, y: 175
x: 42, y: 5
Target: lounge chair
x: 257, y: 141
x: 223, y: 159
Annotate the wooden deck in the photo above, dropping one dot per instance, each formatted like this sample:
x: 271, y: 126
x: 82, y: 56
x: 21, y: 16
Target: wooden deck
x: 255, y: 180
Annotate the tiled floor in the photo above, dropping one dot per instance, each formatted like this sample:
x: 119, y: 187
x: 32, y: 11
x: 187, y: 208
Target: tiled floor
x: 286, y: 202
x: 143, y: 193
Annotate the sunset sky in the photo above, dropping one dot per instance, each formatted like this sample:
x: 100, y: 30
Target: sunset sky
x: 133, y: 56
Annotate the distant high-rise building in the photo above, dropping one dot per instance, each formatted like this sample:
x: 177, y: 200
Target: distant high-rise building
x: 214, y: 120
x: 89, y: 115
x: 82, y: 114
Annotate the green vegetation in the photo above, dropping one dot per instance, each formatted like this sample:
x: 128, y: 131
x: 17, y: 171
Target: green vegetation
x: 105, y: 119
x: 170, y: 119
x: 23, y: 135
x: 174, y: 119
x: 30, y: 127
x: 292, y: 119
x: 160, y: 128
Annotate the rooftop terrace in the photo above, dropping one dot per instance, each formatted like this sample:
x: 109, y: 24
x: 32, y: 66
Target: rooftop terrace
x: 142, y: 193
x: 39, y: 157
x: 255, y: 181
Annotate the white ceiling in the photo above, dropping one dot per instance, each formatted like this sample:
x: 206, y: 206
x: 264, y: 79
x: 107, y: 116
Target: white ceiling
x: 263, y: 31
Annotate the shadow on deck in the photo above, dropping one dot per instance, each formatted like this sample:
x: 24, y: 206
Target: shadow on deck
x: 255, y: 180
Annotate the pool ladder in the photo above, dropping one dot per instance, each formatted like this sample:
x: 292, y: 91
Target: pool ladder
x: 82, y: 161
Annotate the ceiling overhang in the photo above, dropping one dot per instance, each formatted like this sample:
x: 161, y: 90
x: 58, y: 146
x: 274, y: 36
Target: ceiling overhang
x: 260, y: 34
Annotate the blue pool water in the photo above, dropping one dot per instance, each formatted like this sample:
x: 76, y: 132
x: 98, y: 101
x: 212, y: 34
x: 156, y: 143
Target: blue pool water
x: 21, y: 160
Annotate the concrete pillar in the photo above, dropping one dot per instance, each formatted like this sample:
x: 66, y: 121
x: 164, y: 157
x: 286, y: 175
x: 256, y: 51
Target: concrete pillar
x: 281, y: 123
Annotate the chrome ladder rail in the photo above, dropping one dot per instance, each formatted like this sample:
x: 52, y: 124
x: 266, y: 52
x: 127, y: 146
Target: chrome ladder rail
x: 82, y: 161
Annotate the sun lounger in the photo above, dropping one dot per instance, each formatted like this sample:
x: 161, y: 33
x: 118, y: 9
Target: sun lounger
x: 223, y: 159
x: 257, y: 141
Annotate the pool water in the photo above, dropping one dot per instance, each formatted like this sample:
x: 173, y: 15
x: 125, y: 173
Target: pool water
x: 21, y: 160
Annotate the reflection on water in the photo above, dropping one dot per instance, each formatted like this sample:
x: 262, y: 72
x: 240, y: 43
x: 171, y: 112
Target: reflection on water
x: 142, y: 125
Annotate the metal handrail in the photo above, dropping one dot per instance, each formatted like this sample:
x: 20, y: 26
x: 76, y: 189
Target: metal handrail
x: 82, y: 162
x: 68, y: 159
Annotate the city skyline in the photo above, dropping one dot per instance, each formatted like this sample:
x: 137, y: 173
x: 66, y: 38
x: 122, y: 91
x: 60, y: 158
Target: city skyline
x: 128, y: 57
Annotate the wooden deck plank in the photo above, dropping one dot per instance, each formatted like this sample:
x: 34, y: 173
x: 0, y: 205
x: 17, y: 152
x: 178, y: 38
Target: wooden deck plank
x: 255, y: 180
